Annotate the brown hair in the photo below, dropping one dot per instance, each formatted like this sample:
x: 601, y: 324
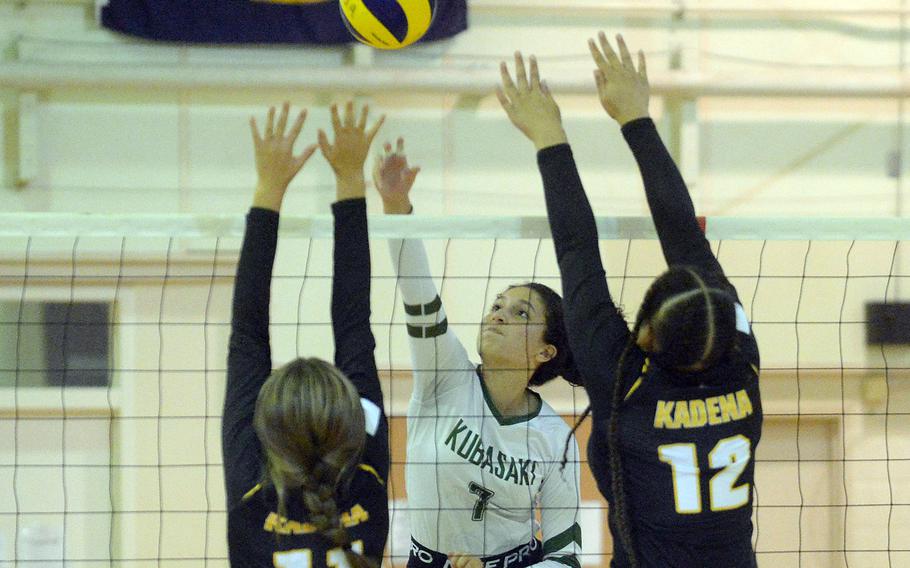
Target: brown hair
x: 311, y: 425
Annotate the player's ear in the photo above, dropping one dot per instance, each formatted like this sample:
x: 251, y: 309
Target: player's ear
x: 546, y: 354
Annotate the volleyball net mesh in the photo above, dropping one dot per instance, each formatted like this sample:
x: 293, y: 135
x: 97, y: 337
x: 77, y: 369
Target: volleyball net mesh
x: 113, y: 343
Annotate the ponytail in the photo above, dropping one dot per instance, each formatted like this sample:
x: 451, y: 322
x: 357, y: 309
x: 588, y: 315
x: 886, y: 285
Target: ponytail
x: 310, y: 422
x: 320, y: 499
x: 618, y: 510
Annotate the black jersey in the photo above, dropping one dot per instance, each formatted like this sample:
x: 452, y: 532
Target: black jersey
x: 257, y: 535
x: 687, y: 445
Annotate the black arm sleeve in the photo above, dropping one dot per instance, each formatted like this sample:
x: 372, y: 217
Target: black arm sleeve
x: 354, y: 341
x: 249, y: 355
x: 681, y: 238
x: 597, y: 332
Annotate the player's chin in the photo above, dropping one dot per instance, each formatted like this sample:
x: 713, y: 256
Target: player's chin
x: 487, y: 346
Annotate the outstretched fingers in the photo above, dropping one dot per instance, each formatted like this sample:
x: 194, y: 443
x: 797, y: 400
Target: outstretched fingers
x: 600, y: 79
x: 503, y: 100
x: 508, y: 86
x: 254, y: 128
x: 596, y: 55
x: 307, y: 153
x: 323, y: 140
x: 276, y: 162
x: 349, y: 114
x: 283, y: 119
x: 298, y: 126
x: 274, y: 132
x: 270, y: 124
x: 624, y: 53
x: 411, y: 174
x: 642, y: 66
x: 371, y: 133
x: 622, y: 88
x: 521, y: 75
x: 611, y: 56
x: 535, y: 74
x: 336, y: 119
x: 364, y: 112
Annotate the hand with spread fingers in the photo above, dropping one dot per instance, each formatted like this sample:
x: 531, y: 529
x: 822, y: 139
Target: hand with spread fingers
x: 530, y: 105
x: 393, y: 179
x: 349, y: 151
x: 623, y: 90
x: 276, y: 164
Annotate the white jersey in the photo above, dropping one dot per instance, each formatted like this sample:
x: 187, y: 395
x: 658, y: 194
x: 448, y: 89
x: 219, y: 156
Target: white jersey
x: 474, y: 478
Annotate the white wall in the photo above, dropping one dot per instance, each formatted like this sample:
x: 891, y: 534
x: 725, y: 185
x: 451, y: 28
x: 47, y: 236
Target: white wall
x: 117, y: 150
x: 114, y: 150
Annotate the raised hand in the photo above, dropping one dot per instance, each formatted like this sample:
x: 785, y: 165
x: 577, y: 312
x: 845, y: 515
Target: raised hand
x: 530, y: 105
x: 624, y: 91
x: 393, y: 178
x: 350, y: 149
x: 276, y: 164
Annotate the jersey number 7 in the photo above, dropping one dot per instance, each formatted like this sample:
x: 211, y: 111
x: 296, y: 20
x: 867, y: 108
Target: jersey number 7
x: 730, y: 456
x: 483, y: 497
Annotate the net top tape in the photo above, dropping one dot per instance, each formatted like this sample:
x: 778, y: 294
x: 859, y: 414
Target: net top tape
x: 444, y: 227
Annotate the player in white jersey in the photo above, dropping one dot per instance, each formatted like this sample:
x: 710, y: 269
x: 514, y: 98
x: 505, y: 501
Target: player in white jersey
x: 484, y: 451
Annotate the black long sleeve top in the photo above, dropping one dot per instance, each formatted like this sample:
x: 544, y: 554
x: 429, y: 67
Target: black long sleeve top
x: 257, y: 534
x: 686, y: 447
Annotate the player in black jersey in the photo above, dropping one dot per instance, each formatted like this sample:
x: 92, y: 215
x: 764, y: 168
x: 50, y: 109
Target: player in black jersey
x: 306, y: 450
x: 675, y: 402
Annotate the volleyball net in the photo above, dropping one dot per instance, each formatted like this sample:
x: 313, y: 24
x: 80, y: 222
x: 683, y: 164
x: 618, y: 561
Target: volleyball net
x: 113, y: 343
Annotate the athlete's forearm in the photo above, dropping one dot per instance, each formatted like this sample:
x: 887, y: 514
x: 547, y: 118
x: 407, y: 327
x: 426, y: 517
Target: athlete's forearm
x: 681, y: 238
x: 250, y: 307
x: 412, y: 267
x: 424, y: 313
x: 354, y: 341
x: 596, y: 331
x: 249, y: 356
x: 437, y: 355
x: 568, y: 210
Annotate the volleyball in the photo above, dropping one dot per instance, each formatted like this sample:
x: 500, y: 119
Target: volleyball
x: 388, y: 24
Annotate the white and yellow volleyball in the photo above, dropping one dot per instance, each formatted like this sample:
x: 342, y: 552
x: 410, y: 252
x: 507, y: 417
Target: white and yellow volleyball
x: 388, y: 24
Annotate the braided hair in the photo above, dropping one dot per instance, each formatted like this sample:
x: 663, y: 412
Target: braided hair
x: 693, y: 323
x: 693, y: 326
x: 618, y: 512
x: 311, y: 425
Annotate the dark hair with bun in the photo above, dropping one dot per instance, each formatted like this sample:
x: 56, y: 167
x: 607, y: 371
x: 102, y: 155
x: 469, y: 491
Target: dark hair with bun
x: 563, y: 364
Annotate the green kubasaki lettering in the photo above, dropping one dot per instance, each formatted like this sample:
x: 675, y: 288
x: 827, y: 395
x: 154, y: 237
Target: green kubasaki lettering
x: 469, y: 446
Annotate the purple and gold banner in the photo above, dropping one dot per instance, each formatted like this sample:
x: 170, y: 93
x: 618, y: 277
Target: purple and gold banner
x: 315, y: 22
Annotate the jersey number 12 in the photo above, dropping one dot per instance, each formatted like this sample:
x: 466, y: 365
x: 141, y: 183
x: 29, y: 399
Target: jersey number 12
x: 730, y: 456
